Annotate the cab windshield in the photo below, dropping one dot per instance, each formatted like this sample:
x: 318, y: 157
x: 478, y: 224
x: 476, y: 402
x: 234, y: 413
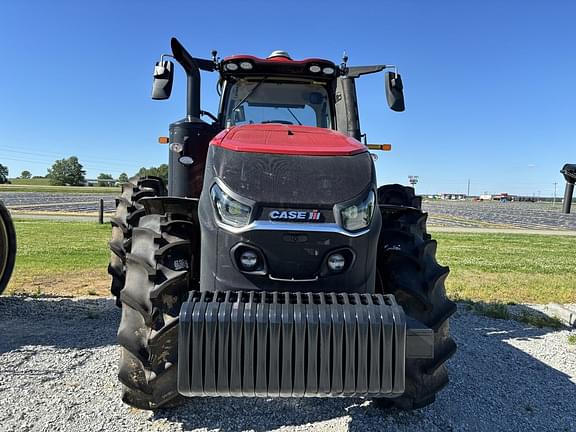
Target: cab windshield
x: 266, y: 101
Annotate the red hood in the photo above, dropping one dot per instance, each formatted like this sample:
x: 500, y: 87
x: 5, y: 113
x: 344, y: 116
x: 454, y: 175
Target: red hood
x: 287, y: 139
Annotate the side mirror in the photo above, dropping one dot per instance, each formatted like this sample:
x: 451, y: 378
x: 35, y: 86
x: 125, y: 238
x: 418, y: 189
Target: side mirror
x: 394, y: 91
x: 163, y: 78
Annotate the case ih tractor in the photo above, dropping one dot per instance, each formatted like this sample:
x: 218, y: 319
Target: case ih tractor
x: 272, y: 265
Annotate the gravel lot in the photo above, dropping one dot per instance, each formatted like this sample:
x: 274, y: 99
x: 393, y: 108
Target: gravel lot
x: 58, y: 363
x: 56, y: 202
x: 493, y: 214
x: 457, y: 214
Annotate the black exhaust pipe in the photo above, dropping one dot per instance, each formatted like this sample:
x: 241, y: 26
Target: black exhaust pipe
x: 569, y: 172
x: 191, y: 132
x: 193, y: 77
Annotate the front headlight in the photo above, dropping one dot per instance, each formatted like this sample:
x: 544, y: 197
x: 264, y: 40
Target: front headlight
x: 230, y: 211
x: 358, y: 216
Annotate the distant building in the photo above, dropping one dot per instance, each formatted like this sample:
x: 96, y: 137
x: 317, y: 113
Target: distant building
x: 453, y: 196
x: 103, y: 182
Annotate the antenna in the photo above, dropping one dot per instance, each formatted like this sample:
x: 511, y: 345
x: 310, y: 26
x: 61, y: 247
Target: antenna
x: 214, y: 54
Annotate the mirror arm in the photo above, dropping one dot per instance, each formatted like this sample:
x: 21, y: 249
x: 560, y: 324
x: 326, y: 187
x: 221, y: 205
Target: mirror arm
x: 357, y: 71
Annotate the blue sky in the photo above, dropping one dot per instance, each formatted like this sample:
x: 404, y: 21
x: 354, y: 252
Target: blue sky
x: 490, y: 85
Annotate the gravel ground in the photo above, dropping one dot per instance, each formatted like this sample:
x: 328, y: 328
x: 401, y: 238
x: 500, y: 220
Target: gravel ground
x: 493, y: 214
x: 56, y: 202
x: 451, y: 214
x: 58, y: 363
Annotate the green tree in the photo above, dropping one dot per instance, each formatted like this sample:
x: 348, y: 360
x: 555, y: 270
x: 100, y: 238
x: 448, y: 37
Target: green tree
x: 123, y: 178
x: 104, y: 179
x: 160, y: 171
x: 66, y: 172
x: 26, y: 174
x: 4, y: 174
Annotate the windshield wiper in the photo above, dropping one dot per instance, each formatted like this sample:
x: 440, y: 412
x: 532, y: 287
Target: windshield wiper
x: 250, y: 93
x: 295, y: 118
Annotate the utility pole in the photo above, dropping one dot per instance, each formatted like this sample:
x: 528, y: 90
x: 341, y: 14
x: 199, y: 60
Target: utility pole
x: 468, y: 193
x: 413, y: 180
x: 554, y: 201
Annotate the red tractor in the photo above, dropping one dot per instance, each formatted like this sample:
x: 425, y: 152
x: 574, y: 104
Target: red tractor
x: 272, y: 264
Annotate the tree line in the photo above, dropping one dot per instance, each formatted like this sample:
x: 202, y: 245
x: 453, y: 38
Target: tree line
x: 70, y: 172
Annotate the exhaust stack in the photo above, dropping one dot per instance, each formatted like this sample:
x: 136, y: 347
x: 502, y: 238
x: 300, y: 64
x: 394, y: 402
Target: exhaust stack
x: 569, y: 172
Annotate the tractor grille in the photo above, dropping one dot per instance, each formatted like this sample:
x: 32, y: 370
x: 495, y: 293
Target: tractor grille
x: 292, y: 344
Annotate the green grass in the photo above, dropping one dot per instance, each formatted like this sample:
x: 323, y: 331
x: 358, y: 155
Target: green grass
x: 572, y: 339
x: 57, y: 189
x: 489, y: 268
x: 539, y: 320
x: 502, y: 311
x: 60, y: 258
x: 506, y: 268
x: 53, y: 246
x: 32, y: 181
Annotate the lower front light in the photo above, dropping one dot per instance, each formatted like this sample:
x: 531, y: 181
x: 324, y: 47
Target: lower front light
x: 248, y: 260
x: 336, y: 262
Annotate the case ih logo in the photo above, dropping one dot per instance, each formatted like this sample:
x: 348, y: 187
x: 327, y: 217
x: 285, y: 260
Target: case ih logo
x: 295, y: 215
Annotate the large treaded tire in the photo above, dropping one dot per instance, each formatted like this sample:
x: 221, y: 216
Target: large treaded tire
x: 398, y: 195
x: 407, y: 268
x: 158, y: 278
x: 7, y: 247
x: 127, y: 216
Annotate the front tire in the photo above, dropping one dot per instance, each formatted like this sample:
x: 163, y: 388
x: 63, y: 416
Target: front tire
x: 158, y: 278
x: 129, y: 210
x: 407, y: 268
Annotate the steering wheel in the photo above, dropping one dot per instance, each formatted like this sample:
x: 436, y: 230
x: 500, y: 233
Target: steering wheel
x: 278, y: 121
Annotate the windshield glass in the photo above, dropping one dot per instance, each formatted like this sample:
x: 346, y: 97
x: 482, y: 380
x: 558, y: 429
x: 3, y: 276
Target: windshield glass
x: 266, y: 101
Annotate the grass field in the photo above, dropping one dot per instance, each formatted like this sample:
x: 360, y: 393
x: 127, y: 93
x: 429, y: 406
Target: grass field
x: 43, y: 185
x: 31, y: 181
x: 60, y: 258
x: 516, y: 268
x: 70, y: 258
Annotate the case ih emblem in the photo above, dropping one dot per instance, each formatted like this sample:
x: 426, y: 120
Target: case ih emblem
x: 295, y: 215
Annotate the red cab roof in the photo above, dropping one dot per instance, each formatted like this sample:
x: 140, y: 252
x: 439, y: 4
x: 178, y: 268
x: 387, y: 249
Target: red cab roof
x: 287, y: 139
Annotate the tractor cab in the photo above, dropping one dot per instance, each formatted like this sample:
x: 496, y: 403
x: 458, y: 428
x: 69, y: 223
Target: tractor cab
x: 277, y: 89
x: 274, y: 90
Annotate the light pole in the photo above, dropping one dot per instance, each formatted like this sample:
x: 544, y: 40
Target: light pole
x: 413, y: 180
x: 554, y: 201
